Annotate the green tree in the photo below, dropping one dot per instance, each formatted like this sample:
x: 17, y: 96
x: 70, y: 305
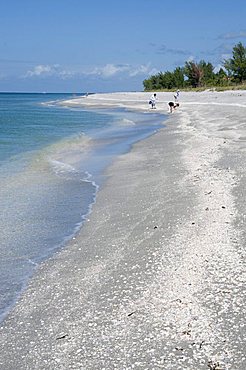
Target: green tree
x: 221, y: 78
x: 202, y: 74
x: 236, y: 66
x: 194, y: 73
x: 151, y: 83
x: 168, y: 80
x: 208, y: 72
x: 178, y: 76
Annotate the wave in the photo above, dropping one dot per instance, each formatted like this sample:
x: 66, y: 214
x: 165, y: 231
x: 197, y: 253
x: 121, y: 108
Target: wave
x: 64, y: 156
x: 61, y: 168
x: 67, y: 171
x: 60, y: 102
x: 126, y: 122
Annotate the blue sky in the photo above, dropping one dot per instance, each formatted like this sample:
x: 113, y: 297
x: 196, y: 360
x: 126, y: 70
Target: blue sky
x: 105, y: 45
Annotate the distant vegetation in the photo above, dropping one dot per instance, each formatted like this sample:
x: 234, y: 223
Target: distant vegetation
x: 201, y: 75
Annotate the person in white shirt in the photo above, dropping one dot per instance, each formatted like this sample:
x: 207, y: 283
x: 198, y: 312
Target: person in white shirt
x: 176, y: 95
x: 153, y: 101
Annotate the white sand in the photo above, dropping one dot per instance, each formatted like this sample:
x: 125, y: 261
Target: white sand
x: 156, y: 277
x: 139, y: 100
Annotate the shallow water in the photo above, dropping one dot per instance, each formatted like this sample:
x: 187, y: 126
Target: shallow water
x: 51, y: 162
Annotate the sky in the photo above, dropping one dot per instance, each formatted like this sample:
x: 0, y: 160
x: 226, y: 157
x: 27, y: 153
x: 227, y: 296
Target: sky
x: 105, y: 45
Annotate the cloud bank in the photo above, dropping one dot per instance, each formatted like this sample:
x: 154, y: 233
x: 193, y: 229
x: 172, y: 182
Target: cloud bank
x: 106, y: 71
x: 233, y: 35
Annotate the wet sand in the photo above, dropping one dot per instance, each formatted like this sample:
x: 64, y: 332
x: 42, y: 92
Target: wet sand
x: 156, y: 277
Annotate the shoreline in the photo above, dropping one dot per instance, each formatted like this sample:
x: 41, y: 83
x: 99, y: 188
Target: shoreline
x: 127, y: 128
x: 155, y: 277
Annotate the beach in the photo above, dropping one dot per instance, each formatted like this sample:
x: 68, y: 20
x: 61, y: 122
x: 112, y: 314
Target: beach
x: 155, y: 279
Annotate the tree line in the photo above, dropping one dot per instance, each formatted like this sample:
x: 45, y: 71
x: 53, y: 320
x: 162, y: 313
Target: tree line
x: 201, y: 74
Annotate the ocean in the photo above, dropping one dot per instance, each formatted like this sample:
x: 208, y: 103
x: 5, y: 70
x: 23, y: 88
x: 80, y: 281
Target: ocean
x: 52, y: 161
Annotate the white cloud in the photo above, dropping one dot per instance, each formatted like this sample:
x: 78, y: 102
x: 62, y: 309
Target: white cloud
x: 107, y: 71
x: 65, y: 74
x: 191, y: 58
x: 110, y: 70
x: 41, y: 70
x: 233, y: 35
x: 153, y: 71
x: 142, y: 69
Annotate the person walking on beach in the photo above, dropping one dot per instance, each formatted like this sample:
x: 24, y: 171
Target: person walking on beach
x: 153, y: 101
x: 172, y: 106
x: 176, y: 95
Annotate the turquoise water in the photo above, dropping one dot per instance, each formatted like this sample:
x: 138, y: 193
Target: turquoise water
x: 51, y: 162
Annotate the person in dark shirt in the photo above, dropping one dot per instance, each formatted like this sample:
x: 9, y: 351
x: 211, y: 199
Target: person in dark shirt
x: 172, y: 106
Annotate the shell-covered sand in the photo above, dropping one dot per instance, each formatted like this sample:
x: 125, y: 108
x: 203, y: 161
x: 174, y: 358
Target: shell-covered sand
x: 156, y: 277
